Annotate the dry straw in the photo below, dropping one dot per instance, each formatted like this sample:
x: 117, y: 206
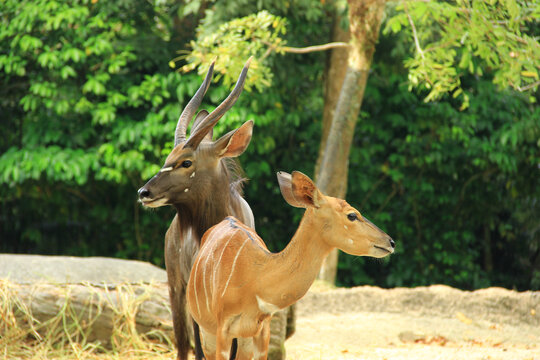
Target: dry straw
x: 46, y: 321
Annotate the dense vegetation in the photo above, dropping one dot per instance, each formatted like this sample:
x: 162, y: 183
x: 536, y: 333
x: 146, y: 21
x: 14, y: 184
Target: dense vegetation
x: 89, y: 103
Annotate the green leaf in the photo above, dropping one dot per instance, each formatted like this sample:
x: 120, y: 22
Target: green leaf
x: 67, y: 71
x: 94, y: 86
x: 74, y: 54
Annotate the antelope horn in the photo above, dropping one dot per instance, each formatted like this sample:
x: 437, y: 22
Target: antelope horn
x: 210, y: 121
x: 191, y: 107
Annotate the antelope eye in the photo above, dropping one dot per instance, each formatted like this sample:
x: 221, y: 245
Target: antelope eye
x: 186, y: 164
x: 352, y: 216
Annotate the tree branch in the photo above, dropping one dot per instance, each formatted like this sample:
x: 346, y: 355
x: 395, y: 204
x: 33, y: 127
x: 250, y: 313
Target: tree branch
x: 415, y: 34
x: 304, y: 50
x: 528, y: 87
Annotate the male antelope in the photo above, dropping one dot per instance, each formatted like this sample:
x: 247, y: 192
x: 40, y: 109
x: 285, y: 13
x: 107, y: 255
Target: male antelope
x: 202, y: 181
x: 236, y: 284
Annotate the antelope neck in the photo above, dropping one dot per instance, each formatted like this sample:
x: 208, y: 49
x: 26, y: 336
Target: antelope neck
x: 201, y: 213
x: 288, y: 274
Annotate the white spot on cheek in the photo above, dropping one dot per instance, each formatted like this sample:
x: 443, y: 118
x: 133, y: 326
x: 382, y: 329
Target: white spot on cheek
x: 350, y: 241
x: 192, y: 175
x: 186, y: 190
x: 346, y: 227
x: 166, y: 169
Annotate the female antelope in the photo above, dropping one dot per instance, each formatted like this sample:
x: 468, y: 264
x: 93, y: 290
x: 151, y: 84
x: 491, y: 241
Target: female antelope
x: 236, y: 284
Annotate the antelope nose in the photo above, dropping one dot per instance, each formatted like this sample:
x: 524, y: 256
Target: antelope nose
x: 144, y: 192
x: 392, y: 243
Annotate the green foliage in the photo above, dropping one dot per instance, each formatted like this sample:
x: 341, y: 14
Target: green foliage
x: 89, y: 106
x: 91, y: 117
x: 253, y: 35
x: 454, y: 38
x: 231, y: 32
x: 457, y: 190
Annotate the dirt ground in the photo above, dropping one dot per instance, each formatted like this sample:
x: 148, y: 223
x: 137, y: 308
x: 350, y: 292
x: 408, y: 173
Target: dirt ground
x: 436, y: 322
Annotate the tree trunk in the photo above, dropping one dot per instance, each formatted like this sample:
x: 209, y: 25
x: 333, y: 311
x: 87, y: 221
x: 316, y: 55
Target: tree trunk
x: 365, y: 18
x: 334, y: 75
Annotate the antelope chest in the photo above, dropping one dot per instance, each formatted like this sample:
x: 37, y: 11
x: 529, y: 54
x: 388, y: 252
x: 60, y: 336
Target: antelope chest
x: 249, y: 324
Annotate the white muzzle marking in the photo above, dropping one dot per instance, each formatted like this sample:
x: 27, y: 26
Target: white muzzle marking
x: 156, y: 203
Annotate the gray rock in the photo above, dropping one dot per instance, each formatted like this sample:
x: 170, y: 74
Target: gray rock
x: 73, y: 270
x: 93, y: 292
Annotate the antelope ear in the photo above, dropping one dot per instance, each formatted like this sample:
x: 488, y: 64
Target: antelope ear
x: 200, y: 117
x: 235, y: 142
x: 285, y: 185
x: 305, y: 190
x: 298, y: 190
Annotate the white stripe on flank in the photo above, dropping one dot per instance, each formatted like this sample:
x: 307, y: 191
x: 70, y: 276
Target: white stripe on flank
x: 219, y: 261
x: 195, y: 287
x: 233, y: 266
x: 212, y: 249
x: 204, y: 285
x: 202, y: 252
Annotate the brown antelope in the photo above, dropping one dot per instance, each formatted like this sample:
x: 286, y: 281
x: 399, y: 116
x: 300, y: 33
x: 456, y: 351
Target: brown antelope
x: 236, y: 284
x: 201, y: 179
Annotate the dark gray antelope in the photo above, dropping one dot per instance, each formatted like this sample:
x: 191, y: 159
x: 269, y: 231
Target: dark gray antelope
x: 202, y: 180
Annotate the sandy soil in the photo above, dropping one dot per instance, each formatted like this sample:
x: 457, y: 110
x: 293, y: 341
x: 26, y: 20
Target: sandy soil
x: 436, y: 322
